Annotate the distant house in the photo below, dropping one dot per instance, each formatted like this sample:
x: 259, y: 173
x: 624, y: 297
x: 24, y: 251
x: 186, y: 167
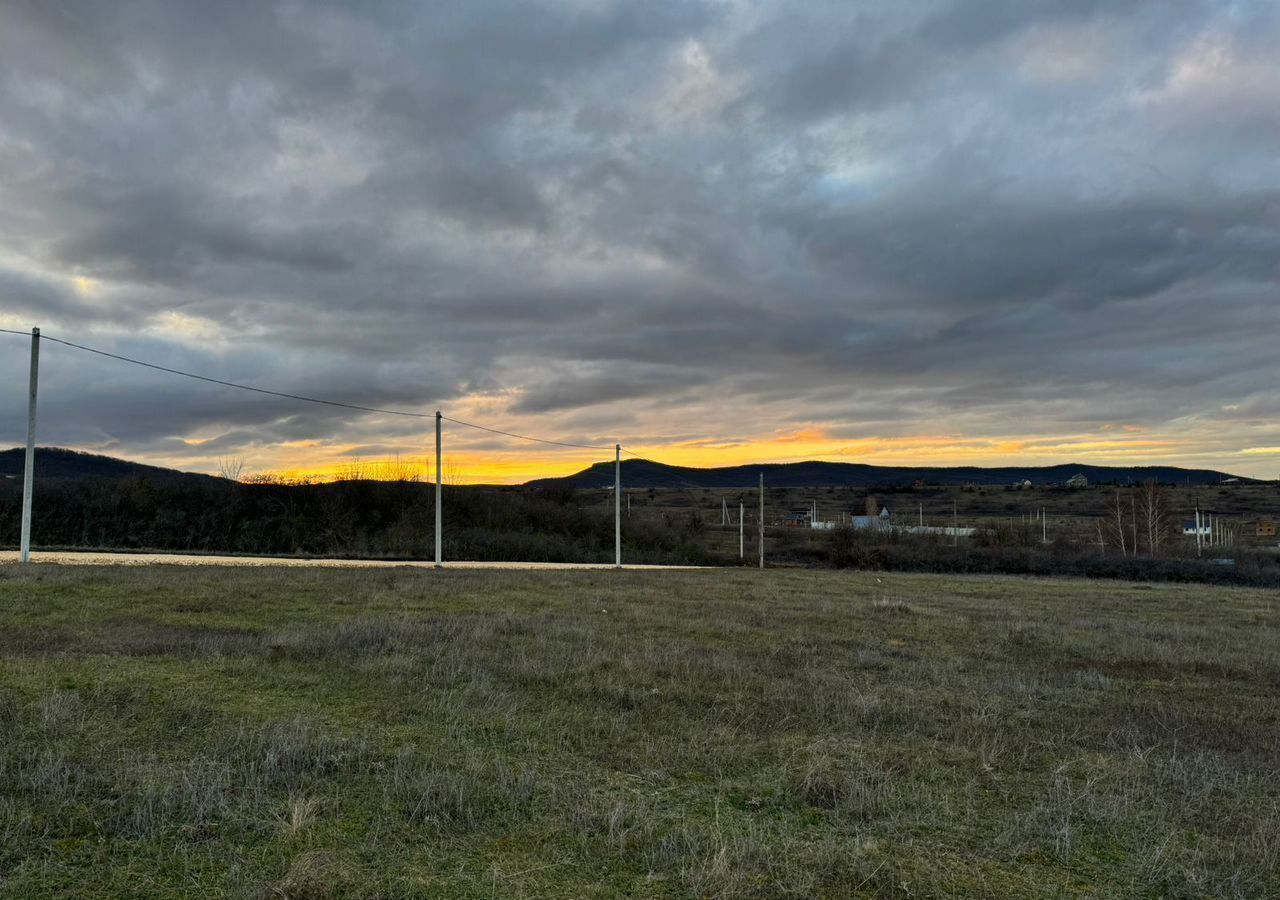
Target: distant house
x: 1265, y: 528
x: 1024, y: 485
x: 1189, y: 527
x: 797, y: 518
x: 879, y: 523
x: 1077, y: 481
x: 1231, y: 481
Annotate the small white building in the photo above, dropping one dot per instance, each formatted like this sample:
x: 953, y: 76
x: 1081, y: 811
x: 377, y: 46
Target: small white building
x: 879, y: 522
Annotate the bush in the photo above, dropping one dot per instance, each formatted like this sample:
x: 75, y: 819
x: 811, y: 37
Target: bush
x: 891, y: 551
x: 378, y: 519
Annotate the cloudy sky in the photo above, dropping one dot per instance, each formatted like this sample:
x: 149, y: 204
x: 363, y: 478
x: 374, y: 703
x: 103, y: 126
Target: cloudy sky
x: 994, y: 231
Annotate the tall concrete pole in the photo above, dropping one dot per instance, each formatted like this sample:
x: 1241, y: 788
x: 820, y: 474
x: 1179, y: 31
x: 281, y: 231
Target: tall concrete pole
x: 29, y: 464
x: 762, y: 520
x: 617, y: 506
x: 439, y: 498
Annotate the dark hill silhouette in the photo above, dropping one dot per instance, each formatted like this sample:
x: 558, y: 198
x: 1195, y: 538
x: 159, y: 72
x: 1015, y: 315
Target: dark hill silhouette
x: 643, y: 473
x: 56, y: 462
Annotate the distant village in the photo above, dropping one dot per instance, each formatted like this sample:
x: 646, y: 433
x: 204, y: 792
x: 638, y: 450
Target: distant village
x: 1203, y: 528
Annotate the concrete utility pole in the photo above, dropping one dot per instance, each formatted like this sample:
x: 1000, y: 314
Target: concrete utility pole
x: 617, y: 506
x: 762, y: 520
x: 955, y: 525
x: 29, y: 464
x: 1044, y: 528
x: 742, y: 533
x: 439, y: 499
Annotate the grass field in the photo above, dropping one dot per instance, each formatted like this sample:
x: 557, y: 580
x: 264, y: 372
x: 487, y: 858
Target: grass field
x: 317, y: 734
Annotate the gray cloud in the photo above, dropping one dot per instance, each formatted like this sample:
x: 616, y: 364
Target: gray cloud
x: 579, y: 217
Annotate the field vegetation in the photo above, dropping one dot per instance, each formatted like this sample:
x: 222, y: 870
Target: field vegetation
x: 367, y: 517
x: 363, y: 518
x: 727, y: 733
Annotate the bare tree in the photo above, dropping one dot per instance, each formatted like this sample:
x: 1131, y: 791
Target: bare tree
x: 451, y: 475
x: 231, y: 467
x: 1112, y: 527
x: 1157, y: 521
x: 396, y: 469
x: 354, y: 470
x: 1133, y: 522
x: 265, y: 478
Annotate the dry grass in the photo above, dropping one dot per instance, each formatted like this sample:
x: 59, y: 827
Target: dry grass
x: 271, y: 733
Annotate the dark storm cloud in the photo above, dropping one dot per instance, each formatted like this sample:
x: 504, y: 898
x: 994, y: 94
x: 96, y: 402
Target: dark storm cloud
x: 964, y: 216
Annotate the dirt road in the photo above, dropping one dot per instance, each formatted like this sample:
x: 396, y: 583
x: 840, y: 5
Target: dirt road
x: 174, y: 559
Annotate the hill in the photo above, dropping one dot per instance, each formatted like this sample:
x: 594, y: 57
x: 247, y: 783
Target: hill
x: 56, y: 462
x: 643, y: 473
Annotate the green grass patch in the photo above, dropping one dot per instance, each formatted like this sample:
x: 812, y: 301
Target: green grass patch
x: 405, y: 733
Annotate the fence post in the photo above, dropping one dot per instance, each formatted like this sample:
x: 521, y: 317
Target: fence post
x: 742, y: 534
x: 29, y: 464
x: 617, y: 506
x: 439, y: 499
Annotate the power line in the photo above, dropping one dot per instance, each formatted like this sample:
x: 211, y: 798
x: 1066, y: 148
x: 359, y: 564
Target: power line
x: 242, y: 387
x: 525, y: 437
x: 19, y: 333
x: 317, y: 400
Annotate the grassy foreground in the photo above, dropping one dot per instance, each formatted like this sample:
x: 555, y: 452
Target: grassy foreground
x: 314, y: 734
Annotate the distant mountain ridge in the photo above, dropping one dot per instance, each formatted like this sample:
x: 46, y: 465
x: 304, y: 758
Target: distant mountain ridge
x: 57, y: 462
x: 643, y: 473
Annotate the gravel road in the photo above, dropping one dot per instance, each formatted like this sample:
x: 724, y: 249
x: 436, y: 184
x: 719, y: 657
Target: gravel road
x: 174, y: 559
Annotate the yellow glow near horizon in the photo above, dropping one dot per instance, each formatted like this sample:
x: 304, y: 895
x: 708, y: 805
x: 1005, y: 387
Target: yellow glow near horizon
x: 459, y: 468
x: 1121, y: 446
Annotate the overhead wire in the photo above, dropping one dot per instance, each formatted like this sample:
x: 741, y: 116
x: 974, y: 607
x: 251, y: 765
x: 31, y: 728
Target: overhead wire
x: 524, y: 437
x: 318, y: 400
x: 242, y: 387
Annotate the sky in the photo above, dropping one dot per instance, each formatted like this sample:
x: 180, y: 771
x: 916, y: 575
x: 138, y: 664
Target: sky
x: 718, y: 232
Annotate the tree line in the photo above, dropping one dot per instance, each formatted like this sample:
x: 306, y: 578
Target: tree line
x: 359, y: 518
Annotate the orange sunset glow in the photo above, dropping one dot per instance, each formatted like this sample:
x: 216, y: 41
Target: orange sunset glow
x: 523, y: 463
